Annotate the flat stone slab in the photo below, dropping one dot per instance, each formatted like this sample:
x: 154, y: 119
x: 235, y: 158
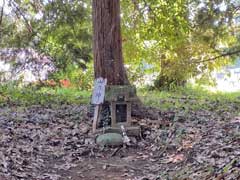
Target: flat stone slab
x: 110, y: 139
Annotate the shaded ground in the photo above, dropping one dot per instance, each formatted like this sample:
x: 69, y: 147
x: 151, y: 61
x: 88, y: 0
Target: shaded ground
x: 55, y: 142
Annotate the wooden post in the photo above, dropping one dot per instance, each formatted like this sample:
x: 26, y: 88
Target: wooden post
x: 97, y: 111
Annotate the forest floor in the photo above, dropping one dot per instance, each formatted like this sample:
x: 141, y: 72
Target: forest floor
x: 51, y: 142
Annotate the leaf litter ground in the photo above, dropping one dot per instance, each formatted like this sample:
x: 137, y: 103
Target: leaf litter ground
x: 55, y: 143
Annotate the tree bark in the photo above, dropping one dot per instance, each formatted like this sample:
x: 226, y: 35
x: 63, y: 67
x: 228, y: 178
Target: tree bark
x: 1, y: 18
x: 107, y: 42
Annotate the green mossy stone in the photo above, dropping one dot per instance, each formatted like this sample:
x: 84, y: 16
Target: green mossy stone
x: 110, y: 139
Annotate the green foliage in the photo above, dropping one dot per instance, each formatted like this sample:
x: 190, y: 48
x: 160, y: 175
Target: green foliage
x: 149, y: 31
x: 179, y: 38
x: 65, y: 32
x: 79, y: 78
x: 12, y: 33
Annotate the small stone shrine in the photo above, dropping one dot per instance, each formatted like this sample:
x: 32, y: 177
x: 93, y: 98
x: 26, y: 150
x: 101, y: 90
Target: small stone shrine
x: 115, y: 101
x: 120, y: 99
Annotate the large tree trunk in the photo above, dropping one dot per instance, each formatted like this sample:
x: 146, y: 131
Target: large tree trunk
x: 107, y: 42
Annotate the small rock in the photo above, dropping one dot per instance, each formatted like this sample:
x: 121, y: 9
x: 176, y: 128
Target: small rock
x: 89, y: 141
x: 84, y: 128
x: 110, y: 139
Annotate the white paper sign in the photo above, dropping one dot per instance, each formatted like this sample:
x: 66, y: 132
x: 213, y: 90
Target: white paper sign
x: 99, y: 91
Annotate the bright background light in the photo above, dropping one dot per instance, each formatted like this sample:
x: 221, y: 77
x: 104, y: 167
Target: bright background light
x: 7, y: 9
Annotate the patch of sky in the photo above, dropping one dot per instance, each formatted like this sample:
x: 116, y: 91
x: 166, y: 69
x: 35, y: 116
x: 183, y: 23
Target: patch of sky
x: 228, y: 79
x: 223, y: 6
x: 6, y: 8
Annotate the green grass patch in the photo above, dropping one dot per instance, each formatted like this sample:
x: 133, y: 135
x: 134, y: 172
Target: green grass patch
x: 191, y: 98
x: 186, y: 99
x: 10, y: 94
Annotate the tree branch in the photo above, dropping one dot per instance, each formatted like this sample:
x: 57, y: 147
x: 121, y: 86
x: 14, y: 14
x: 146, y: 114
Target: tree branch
x: 1, y: 16
x: 219, y: 56
x: 29, y: 27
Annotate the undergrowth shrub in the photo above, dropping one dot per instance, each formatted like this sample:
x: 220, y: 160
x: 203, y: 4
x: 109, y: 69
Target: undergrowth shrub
x: 75, y: 77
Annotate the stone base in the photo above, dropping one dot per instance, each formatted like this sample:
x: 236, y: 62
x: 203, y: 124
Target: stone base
x: 130, y: 130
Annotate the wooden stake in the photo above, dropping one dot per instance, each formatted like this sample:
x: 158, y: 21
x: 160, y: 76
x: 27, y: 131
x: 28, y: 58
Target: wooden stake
x: 95, y: 118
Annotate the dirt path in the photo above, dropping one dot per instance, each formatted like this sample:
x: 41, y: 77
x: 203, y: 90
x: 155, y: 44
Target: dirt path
x: 51, y: 143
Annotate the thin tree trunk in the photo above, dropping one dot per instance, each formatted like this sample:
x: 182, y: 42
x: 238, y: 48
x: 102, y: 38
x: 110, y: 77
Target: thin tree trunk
x: 1, y: 18
x: 107, y: 42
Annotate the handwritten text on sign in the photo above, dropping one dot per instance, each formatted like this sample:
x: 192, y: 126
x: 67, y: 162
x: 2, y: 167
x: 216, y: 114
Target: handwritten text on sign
x: 99, y: 91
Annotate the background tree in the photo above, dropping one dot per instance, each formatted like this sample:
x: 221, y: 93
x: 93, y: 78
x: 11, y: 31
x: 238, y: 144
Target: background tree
x: 180, y: 39
x: 59, y: 28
